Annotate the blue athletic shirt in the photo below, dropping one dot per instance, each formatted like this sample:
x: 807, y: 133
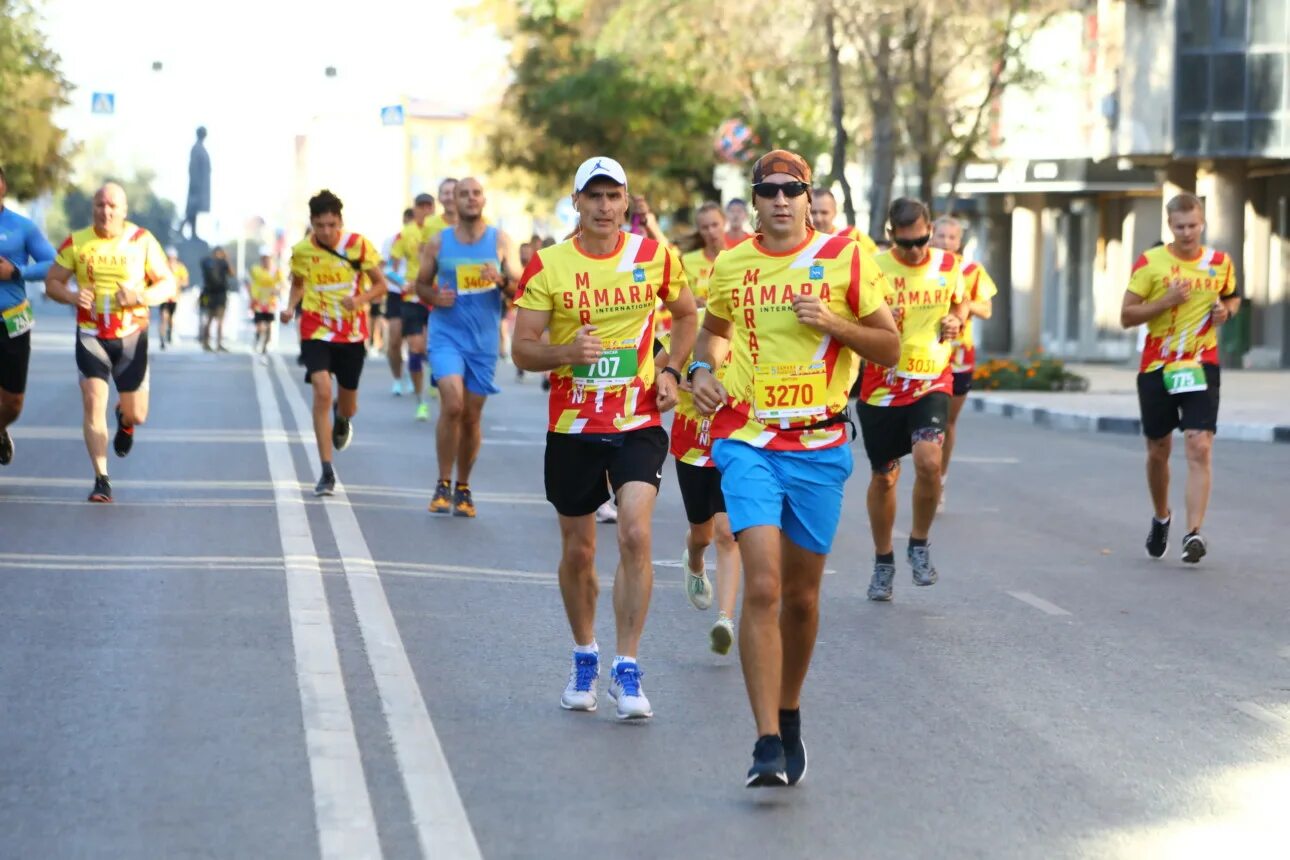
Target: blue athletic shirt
x: 21, y: 242
x: 470, y: 325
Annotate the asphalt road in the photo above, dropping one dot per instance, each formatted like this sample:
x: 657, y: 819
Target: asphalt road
x: 219, y: 665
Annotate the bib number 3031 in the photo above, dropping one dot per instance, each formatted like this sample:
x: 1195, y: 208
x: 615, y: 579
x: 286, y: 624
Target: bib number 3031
x: 789, y: 390
x: 1183, y: 377
x: 615, y: 367
x: 18, y: 320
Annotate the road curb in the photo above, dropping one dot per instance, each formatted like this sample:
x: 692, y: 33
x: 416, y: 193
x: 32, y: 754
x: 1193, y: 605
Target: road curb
x: 1088, y: 422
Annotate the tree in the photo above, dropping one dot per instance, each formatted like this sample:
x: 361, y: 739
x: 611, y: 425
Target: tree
x: 34, y: 149
x: 145, y: 208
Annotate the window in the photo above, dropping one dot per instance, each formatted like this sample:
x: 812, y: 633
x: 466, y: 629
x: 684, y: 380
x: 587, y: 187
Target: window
x: 1193, y: 23
x: 1265, y: 134
x: 1268, y: 22
x: 1267, y: 82
x: 1193, y: 85
x: 1229, y: 82
x: 1231, y: 20
x: 1228, y: 136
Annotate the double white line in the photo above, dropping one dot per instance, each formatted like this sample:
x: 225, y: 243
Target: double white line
x: 342, y: 806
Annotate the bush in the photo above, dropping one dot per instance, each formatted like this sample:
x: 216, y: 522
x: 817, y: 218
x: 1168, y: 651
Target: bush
x: 1034, y: 372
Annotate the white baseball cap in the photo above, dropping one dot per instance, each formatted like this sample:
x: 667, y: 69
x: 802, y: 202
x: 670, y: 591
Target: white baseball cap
x: 596, y: 167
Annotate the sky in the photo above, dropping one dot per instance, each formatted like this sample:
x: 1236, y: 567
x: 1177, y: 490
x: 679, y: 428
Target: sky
x: 252, y: 72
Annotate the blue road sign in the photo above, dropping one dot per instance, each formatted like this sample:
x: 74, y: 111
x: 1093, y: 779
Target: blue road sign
x: 104, y: 103
x: 392, y: 115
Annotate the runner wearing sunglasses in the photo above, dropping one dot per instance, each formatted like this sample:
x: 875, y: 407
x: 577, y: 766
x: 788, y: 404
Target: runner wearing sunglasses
x: 793, y: 308
x: 904, y: 408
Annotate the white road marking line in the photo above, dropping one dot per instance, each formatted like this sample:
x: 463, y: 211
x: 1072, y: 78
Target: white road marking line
x: 1038, y: 602
x: 136, y: 503
x: 709, y: 564
x: 229, y: 436
x: 342, y: 807
x: 443, y: 829
x: 968, y: 458
x: 1262, y: 714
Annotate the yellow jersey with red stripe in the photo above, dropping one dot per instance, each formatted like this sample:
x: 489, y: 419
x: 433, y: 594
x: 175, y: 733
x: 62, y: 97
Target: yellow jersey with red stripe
x: 132, y: 260
x: 329, y: 277
x: 925, y: 293
x: 264, y: 289
x: 698, y: 268
x: 407, y: 247
x: 786, y: 379
x: 616, y: 293
x: 691, y: 432
x: 978, y: 286
x: 1186, y: 332
x: 866, y: 244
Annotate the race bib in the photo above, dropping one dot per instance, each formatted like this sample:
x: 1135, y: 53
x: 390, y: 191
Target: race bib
x: 618, y: 366
x: 789, y: 390
x: 922, y: 363
x: 18, y: 320
x: 1183, y: 377
x: 470, y: 279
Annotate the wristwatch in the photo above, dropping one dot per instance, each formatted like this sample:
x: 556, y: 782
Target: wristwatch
x: 676, y: 374
x: 694, y: 368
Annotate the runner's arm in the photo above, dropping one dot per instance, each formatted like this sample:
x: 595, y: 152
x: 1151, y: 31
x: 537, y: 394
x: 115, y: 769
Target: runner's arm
x: 159, y: 288
x: 425, y: 285
x: 1138, y: 311
x: 41, y: 252
x: 713, y: 342
x: 982, y: 309
x: 531, y: 350
x: 293, y: 298
x: 379, y: 286
x: 685, y: 325
x: 58, y: 285
x: 873, y: 337
x: 511, y: 268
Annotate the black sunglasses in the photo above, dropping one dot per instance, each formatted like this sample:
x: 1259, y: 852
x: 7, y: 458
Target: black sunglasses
x: 913, y: 243
x: 770, y: 190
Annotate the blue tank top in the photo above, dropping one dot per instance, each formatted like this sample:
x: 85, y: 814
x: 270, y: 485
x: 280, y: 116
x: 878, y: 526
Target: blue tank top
x: 471, y: 324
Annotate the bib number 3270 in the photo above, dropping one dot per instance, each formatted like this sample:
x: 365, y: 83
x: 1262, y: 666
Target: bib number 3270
x: 789, y: 390
x: 18, y: 319
x: 1183, y: 377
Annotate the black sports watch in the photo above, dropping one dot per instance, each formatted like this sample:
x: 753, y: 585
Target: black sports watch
x: 676, y: 374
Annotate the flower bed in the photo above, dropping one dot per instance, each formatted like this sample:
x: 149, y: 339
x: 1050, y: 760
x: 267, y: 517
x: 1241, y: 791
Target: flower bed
x: 1034, y: 372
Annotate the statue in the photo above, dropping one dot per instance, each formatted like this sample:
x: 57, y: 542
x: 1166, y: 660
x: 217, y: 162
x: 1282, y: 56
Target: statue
x: 199, y: 183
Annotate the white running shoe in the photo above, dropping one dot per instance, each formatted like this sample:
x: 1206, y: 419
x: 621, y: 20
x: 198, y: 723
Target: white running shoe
x: 625, y: 689
x: 580, y: 692
x: 722, y: 635
x: 607, y: 513
x: 697, y: 585
x: 397, y: 388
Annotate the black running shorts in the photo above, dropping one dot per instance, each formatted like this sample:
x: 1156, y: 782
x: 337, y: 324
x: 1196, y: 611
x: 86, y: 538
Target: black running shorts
x: 123, y: 360
x: 344, y: 360
x: 962, y: 383
x: 580, y: 467
x: 15, y: 356
x: 890, y: 431
x: 1162, y: 412
x: 415, y: 318
x: 700, y: 491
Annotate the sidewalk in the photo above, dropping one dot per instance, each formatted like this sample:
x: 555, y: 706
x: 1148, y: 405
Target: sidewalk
x: 1255, y: 404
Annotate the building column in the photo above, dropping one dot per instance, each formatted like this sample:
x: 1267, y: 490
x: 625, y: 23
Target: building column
x: 1180, y: 177
x: 1225, y: 222
x: 1027, y: 272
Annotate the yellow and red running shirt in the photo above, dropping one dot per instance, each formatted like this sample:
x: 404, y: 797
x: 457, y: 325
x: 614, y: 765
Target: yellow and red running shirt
x: 617, y: 294
x: 692, y: 432
x: 264, y: 290
x: 1186, y: 332
x: 784, y: 376
x: 978, y: 286
x: 132, y: 260
x: 925, y: 293
x: 400, y: 250
x: 328, y: 279
x: 866, y: 244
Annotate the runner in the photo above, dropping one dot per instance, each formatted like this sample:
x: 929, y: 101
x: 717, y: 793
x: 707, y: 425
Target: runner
x: 217, y: 277
x: 263, y: 289
x: 405, y: 258
x: 25, y: 255
x: 904, y: 406
x: 180, y: 273
x: 792, y: 308
x: 465, y: 272
x: 1181, y: 292
x: 737, y: 222
x: 596, y: 294
x: 335, y: 275
x: 121, y: 271
x: 696, y: 474
x: 947, y: 234
x: 416, y: 314
x: 824, y: 212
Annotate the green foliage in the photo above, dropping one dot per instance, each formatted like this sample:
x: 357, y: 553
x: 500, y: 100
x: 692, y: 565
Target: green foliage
x: 145, y: 208
x: 1035, y: 372
x: 33, y: 149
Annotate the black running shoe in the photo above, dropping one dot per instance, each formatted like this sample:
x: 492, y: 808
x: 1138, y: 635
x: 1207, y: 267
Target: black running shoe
x: 1158, y: 538
x: 342, y: 432
x: 6, y: 447
x: 326, y: 485
x: 124, y: 440
x: 790, y: 730
x: 769, y: 769
x: 102, y: 491
x: 1194, y: 548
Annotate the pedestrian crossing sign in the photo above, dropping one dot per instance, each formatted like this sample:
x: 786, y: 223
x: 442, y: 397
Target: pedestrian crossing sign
x: 392, y: 115
x: 104, y: 103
